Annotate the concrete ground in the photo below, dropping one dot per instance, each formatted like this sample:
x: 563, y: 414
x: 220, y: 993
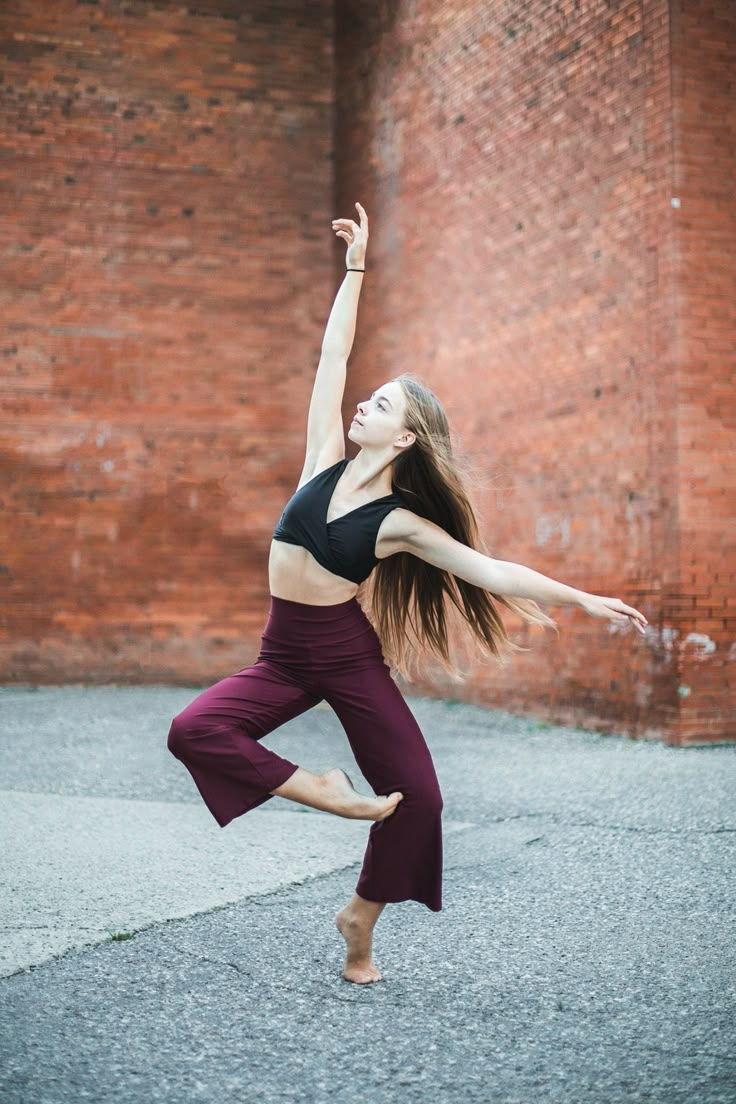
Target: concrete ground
x: 585, y: 951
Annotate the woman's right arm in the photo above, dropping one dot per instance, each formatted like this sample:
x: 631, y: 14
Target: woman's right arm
x: 325, y: 433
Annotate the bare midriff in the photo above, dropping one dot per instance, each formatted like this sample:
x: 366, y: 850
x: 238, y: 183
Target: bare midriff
x: 294, y: 574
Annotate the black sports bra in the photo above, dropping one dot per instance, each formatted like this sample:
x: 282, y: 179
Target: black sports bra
x: 345, y: 546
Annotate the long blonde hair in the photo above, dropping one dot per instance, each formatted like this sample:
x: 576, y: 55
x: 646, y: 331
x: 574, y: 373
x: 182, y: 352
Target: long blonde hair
x: 409, y: 599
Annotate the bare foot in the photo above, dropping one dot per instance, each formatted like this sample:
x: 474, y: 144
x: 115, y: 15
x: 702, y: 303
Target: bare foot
x: 345, y: 800
x: 333, y: 792
x: 358, y: 935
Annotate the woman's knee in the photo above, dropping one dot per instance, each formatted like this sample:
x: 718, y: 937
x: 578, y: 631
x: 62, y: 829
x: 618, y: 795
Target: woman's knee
x: 179, y: 733
x: 425, y: 799
x: 434, y: 801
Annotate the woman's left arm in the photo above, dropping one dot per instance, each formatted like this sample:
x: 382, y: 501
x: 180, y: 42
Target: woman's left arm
x: 407, y: 532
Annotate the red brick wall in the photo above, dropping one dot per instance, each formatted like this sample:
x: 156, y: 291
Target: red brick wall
x: 527, y: 262
x: 168, y: 269
x: 166, y: 189
x: 704, y: 75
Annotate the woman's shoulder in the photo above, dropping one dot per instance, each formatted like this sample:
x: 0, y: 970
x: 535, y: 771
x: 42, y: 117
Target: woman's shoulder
x: 400, y: 523
x: 322, y: 466
x: 403, y: 524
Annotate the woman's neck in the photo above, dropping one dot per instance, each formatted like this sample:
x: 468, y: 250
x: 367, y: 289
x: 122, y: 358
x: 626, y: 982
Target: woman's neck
x: 371, y: 470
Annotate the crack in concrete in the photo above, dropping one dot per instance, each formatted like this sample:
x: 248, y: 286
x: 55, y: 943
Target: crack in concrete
x: 55, y: 927
x: 212, y: 961
x: 644, y: 829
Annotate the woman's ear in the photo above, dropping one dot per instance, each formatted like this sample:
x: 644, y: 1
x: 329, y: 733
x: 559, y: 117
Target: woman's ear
x: 405, y: 439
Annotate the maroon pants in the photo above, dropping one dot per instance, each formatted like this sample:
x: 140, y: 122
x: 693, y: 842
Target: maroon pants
x: 309, y: 654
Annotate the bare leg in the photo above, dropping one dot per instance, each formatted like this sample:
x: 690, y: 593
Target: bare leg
x: 355, y: 923
x: 333, y: 792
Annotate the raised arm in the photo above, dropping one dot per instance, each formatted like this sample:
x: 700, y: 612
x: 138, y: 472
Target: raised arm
x: 325, y: 434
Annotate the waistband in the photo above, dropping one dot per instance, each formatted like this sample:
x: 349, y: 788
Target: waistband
x: 319, y: 638
x: 314, y: 613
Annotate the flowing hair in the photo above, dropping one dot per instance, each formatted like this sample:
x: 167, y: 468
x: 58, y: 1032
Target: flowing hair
x: 408, y: 598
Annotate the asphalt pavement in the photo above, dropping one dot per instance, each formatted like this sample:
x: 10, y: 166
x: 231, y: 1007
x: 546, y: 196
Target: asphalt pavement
x: 585, y: 951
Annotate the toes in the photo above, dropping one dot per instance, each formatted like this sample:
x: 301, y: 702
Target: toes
x: 363, y: 979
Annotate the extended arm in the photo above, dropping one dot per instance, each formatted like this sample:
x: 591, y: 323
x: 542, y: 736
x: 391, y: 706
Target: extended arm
x: 340, y: 331
x: 431, y: 543
x: 403, y: 531
x: 325, y: 435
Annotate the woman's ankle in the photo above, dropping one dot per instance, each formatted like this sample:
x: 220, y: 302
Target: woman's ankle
x: 306, y: 788
x: 364, y: 912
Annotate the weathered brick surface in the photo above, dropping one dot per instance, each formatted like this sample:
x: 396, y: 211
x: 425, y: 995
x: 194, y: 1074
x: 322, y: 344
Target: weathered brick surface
x: 527, y: 262
x: 167, y: 180
x: 704, y: 67
x: 168, y: 269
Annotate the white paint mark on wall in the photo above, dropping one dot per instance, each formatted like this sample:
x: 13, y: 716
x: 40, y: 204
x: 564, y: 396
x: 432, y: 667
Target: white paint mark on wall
x: 697, y: 645
x: 550, y: 525
x: 662, y: 640
x: 700, y: 643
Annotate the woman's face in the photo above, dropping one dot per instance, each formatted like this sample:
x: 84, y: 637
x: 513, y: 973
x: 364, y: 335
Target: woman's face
x: 379, y: 420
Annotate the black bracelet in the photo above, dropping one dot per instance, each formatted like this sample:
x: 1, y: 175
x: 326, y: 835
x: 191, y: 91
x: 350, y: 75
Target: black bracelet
x: 355, y: 270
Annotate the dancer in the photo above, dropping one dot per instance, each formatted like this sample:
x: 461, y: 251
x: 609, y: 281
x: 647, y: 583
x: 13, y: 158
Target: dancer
x: 396, y: 512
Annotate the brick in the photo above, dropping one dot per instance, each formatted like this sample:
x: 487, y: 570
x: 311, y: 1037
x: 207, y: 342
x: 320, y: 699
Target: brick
x: 168, y: 177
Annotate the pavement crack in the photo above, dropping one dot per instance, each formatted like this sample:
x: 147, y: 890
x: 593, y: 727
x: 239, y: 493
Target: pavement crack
x: 214, y: 961
x: 53, y: 927
x: 646, y: 830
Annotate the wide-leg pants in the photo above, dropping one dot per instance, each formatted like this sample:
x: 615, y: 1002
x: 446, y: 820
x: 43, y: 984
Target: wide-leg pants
x: 309, y: 654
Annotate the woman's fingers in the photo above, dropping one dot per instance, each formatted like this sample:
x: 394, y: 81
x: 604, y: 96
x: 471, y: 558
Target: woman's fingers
x: 621, y: 607
x: 637, y: 621
x: 352, y: 224
x: 638, y: 618
x: 616, y: 610
x: 634, y: 615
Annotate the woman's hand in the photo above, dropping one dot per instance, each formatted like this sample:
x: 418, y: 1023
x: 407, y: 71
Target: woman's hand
x: 356, y: 237
x: 615, y: 610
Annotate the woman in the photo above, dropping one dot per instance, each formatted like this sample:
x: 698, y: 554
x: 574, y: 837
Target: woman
x: 399, y: 507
